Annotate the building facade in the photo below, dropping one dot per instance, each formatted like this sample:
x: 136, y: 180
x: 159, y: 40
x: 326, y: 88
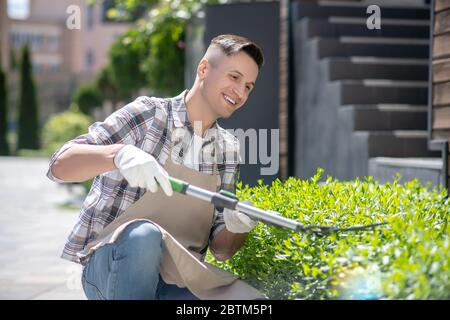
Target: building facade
x: 64, y: 36
x: 68, y: 41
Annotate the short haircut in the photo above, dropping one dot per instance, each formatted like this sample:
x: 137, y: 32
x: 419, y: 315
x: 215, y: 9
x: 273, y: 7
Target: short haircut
x: 231, y: 44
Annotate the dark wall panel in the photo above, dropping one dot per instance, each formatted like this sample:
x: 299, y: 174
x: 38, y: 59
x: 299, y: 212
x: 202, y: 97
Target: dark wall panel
x: 260, y: 23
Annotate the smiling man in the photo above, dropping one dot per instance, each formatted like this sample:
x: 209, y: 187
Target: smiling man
x: 230, y: 79
x: 138, y: 241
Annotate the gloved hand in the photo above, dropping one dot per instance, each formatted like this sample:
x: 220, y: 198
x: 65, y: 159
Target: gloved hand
x: 238, y: 222
x: 141, y: 169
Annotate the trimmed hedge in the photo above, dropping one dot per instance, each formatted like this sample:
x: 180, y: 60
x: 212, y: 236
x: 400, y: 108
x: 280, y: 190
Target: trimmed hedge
x: 409, y: 258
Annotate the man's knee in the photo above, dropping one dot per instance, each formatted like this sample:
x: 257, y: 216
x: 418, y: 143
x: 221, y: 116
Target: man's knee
x: 141, y: 237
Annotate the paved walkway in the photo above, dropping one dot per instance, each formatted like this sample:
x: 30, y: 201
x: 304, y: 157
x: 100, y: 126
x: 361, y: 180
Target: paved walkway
x: 33, y: 229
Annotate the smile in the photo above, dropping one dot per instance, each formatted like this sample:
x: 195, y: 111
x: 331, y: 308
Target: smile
x: 229, y: 100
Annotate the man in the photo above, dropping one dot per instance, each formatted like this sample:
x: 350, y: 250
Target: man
x: 130, y: 153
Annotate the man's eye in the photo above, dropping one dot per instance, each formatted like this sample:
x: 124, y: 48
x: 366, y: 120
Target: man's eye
x: 234, y: 77
x: 248, y: 88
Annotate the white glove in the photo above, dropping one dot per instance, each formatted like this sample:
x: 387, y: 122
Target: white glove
x: 238, y: 222
x: 141, y: 169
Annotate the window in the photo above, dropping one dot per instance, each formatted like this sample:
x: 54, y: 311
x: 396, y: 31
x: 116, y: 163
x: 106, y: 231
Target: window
x: 18, y: 9
x: 52, y: 43
x: 90, y: 17
x: 35, y: 41
x: 89, y: 60
x: 52, y: 68
x: 40, y: 41
x: 13, y: 40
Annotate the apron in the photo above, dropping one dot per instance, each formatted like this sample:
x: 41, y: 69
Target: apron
x: 185, y: 224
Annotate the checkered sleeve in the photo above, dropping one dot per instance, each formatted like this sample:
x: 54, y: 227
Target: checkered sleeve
x: 126, y: 125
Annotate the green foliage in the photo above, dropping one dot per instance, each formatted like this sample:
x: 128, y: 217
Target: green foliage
x: 167, y: 27
x: 87, y: 185
x: 129, y: 10
x: 63, y: 127
x: 30, y: 153
x: 126, y: 58
x: 87, y: 97
x: 166, y: 61
x: 108, y: 88
x: 152, y: 53
x: 28, y: 124
x: 4, y: 146
x: 12, y: 60
x: 409, y: 258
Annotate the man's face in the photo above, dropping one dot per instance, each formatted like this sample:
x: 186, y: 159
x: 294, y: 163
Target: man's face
x: 228, y: 83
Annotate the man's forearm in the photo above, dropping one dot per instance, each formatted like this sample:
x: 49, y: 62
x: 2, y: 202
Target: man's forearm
x: 225, y: 244
x: 81, y: 162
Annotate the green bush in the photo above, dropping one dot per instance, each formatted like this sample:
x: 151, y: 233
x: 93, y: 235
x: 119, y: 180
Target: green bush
x: 408, y: 258
x: 87, y: 97
x: 63, y: 127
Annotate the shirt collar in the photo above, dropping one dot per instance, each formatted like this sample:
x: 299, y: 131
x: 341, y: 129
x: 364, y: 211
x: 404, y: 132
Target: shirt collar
x: 180, y: 116
x: 179, y: 112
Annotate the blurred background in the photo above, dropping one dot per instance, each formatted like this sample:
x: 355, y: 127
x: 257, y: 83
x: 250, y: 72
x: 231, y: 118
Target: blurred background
x: 340, y: 90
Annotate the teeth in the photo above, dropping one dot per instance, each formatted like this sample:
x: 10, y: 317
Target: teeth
x: 229, y: 99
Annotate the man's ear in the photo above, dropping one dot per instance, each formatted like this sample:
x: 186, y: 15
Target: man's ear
x: 202, y: 68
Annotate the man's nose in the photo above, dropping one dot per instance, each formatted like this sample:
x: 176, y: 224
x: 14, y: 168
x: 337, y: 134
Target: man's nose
x: 239, y: 92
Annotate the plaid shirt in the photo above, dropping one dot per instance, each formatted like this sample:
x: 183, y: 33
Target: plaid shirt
x: 148, y: 123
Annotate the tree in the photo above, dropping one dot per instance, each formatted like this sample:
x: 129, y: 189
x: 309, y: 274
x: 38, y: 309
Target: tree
x: 165, y: 63
x: 87, y: 97
x: 28, y: 124
x: 126, y: 56
x: 162, y: 39
x: 4, y: 147
x: 110, y: 90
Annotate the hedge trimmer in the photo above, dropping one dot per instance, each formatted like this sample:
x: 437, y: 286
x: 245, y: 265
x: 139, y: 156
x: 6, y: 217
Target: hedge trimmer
x: 225, y: 199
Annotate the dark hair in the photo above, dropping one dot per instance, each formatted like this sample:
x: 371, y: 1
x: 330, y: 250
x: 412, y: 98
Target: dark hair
x: 231, y: 44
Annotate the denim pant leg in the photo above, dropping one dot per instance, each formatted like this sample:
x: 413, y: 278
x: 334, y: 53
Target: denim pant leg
x: 173, y: 292
x: 127, y: 268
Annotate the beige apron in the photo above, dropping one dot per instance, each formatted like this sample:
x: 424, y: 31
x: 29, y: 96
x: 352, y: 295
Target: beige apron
x: 185, y: 224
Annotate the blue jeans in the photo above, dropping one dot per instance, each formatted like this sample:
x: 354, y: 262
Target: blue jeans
x: 129, y: 268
